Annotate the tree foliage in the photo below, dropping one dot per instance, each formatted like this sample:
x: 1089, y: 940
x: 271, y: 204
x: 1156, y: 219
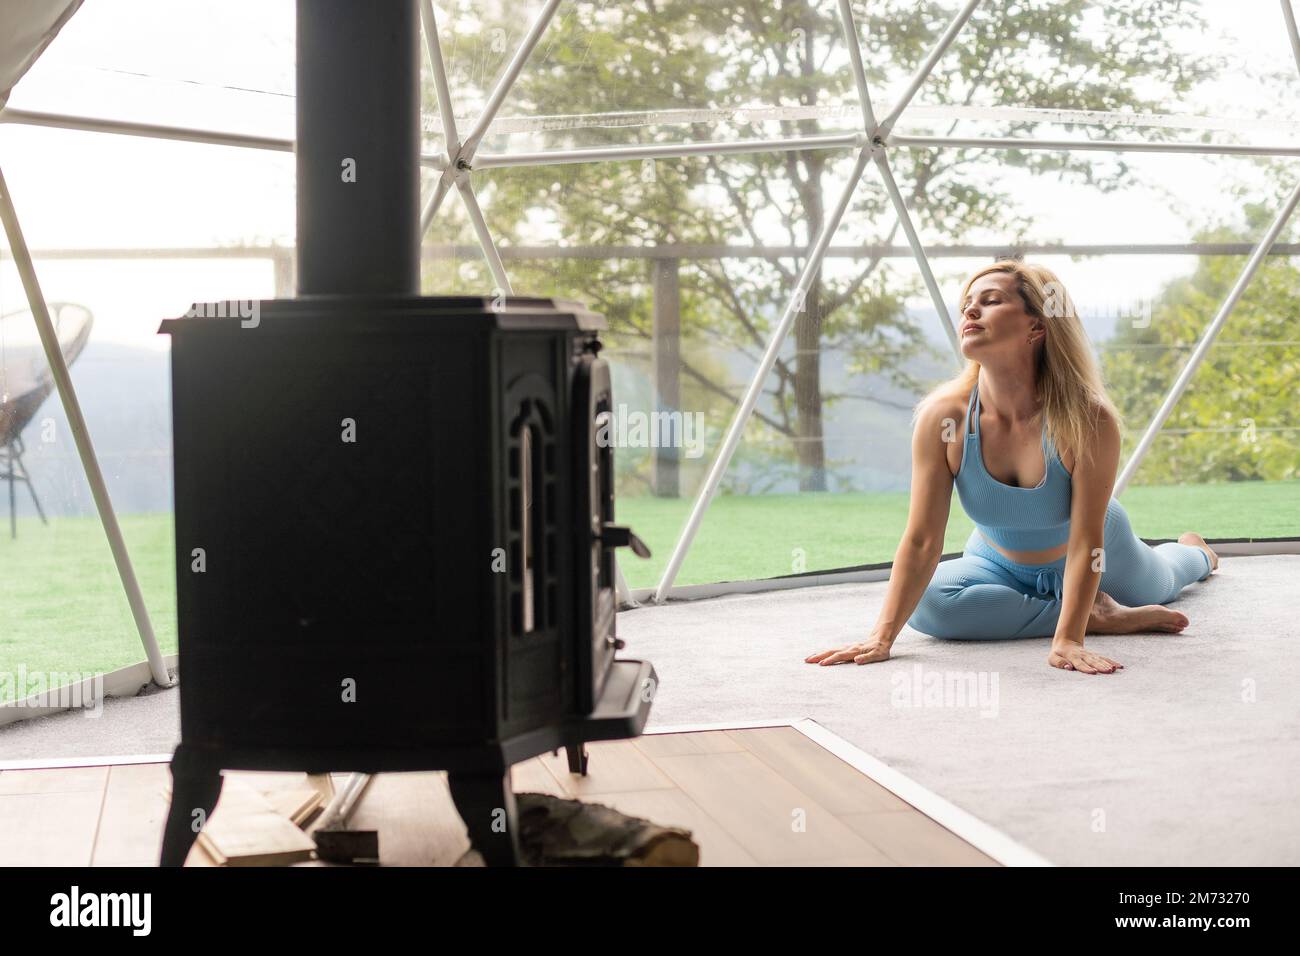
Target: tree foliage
x: 1239, y: 418
x: 658, y: 54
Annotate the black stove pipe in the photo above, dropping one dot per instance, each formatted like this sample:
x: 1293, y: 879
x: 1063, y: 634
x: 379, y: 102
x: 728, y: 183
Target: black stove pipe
x: 358, y: 100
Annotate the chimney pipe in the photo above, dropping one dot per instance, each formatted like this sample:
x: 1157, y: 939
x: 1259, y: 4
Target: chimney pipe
x: 358, y: 147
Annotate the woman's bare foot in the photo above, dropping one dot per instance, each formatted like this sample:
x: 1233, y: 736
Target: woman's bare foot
x: 1110, y: 617
x: 1196, y: 541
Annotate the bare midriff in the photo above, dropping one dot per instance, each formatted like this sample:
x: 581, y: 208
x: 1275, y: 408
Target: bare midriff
x: 1046, y: 556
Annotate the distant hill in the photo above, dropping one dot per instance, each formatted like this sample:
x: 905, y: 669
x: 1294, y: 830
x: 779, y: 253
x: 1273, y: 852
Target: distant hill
x: 868, y: 439
x: 125, y: 393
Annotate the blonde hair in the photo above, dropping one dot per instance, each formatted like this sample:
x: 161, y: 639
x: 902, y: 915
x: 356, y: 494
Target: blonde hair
x: 1067, y: 372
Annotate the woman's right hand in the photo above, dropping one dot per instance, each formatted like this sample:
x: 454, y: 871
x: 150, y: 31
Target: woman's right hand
x: 870, y: 651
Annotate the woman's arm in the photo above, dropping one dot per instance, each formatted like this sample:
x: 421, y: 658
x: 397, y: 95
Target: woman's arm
x: 1092, y: 481
x: 921, y: 547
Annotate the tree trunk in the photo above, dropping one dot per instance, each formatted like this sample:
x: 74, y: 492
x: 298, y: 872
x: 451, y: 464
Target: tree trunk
x: 809, y: 443
x: 666, y: 364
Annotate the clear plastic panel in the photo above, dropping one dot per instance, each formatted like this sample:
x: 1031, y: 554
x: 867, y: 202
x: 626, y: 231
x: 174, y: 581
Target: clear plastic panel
x: 1174, y: 72
x: 820, y: 479
x: 612, y: 73
x: 879, y: 358
x: 872, y: 368
x: 66, y: 614
x: 1226, y: 463
x: 79, y: 190
x: 615, y: 73
x: 227, y: 66
x: 127, y: 240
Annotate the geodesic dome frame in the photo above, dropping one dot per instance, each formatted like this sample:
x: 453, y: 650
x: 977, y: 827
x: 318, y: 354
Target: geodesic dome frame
x: 31, y: 24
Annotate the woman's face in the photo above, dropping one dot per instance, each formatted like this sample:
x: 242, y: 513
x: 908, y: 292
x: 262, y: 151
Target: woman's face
x: 993, y: 318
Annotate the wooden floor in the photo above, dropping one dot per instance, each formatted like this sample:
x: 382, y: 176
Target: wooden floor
x: 754, y: 797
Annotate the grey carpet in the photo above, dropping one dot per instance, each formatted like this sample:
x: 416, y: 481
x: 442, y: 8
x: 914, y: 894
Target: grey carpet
x: 147, y: 724
x: 1169, y: 762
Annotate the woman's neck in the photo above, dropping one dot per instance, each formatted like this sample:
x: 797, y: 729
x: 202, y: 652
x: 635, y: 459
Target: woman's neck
x: 1012, y: 397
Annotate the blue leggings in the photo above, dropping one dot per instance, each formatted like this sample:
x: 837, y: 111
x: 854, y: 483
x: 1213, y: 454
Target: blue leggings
x: 984, y: 594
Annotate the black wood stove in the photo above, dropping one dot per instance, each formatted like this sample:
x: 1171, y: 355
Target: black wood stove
x: 395, y: 531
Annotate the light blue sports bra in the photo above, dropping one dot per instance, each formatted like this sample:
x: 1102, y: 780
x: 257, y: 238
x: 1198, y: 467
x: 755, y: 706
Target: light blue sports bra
x: 1014, y: 518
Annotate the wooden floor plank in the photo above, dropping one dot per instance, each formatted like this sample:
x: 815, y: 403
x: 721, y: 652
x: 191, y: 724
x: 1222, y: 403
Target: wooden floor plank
x: 736, y: 791
x: 838, y: 786
x: 139, y: 863
x: 263, y: 780
x: 132, y: 819
x: 913, y: 839
x: 855, y: 861
x: 696, y: 742
x: 612, y: 766
x: 131, y: 776
x: 417, y: 822
x: 48, y: 827
x: 532, y: 776
x: 774, y: 820
x: 57, y: 780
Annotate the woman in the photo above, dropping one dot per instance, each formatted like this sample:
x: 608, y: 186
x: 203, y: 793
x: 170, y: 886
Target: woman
x: 1052, y: 552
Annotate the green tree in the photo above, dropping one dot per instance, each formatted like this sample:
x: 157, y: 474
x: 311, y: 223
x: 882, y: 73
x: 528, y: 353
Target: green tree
x: 1239, y: 418
x: 598, y: 57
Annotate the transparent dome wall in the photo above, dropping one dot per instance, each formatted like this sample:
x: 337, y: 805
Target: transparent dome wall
x: 104, y: 242
x: 694, y: 259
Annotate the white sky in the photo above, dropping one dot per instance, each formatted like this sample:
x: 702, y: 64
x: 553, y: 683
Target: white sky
x: 229, y: 65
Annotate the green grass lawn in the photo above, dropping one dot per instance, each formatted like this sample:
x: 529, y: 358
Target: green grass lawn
x: 62, y: 607
x: 743, y: 538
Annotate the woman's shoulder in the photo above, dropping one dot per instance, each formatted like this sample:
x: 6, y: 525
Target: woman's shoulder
x: 942, y: 407
x: 1097, y: 421
x: 1098, y: 426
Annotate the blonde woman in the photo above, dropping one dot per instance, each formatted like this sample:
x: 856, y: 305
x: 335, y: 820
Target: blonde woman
x: 1029, y: 437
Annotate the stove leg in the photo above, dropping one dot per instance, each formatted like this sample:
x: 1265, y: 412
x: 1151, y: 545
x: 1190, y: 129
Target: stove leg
x: 577, y: 754
x: 196, y: 786
x: 486, y: 802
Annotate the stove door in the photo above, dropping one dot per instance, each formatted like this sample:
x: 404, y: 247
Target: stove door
x: 593, y: 484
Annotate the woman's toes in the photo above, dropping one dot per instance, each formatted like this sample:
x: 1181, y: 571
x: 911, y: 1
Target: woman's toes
x: 1176, y: 621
